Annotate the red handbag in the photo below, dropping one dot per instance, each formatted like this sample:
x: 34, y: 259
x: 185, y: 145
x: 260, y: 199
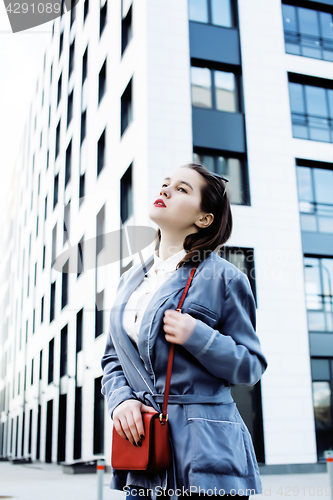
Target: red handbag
x: 155, y: 453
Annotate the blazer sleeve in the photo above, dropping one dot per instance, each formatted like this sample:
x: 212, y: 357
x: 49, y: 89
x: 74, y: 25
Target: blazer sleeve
x: 234, y: 352
x: 114, y: 383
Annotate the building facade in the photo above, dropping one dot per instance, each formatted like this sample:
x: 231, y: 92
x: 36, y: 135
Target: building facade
x: 128, y: 91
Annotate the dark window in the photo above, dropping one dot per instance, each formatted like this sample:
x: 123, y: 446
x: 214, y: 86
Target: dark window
x: 57, y: 144
x: 66, y: 221
x: 319, y: 293
x: 68, y: 168
x: 44, y: 252
x: 73, y: 11
x: 49, y: 116
x: 32, y: 373
x: 45, y: 208
x: 49, y: 426
x: 103, y: 17
x: 98, y: 419
x: 243, y: 259
x: 38, y: 432
x: 40, y: 365
x: 71, y: 56
x: 55, y: 190
x: 30, y: 433
x: 233, y: 168
x: 61, y: 43
x: 218, y: 12
x: 126, y: 195
x: 51, y: 69
x: 322, y: 390
x: 52, y: 301
x: 308, y: 32
x: 82, y: 188
x: 35, y: 276
x: 80, y: 253
x: 79, y: 330
x: 101, y: 152
x: 37, y: 221
x: 126, y: 29
x: 42, y: 310
x: 311, y: 108
x: 126, y: 107
x: 47, y: 159
x: 41, y: 139
x: 100, y: 220
x: 85, y: 9
x: 70, y: 107
x: 62, y: 427
x: 85, y: 66
x: 63, y: 350
x: 83, y: 125
x: 99, y: 323
x: 214, y: 89
x: 59, y: 89
x: 315, y: 188
x: 102, y: 82
x: 77, y: 423
x: 64, y: 295
x: 51, y: 361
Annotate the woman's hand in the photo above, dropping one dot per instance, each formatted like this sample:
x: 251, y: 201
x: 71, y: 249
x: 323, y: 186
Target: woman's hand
x: 178, y: 326
x: 127, y: 420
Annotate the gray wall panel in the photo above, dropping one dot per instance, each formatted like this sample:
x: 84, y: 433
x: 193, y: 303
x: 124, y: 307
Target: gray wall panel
x: 213, y: 43
x: 321, y: 344
x: 218, y: 130
x: 317, y: 243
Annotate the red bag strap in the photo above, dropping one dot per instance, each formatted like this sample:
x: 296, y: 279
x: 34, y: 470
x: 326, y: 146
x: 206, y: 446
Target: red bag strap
x: 163, y: 415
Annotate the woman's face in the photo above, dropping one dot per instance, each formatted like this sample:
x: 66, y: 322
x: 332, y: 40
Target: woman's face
x: 181, y: 195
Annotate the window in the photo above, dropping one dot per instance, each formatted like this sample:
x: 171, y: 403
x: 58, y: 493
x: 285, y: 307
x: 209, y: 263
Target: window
x: 35, y: 277
x: 322, y: 389
x: 214, y: 89
x: 55, y: 190
x: 59, y: 89
x: 99, y: 322
x: 308, y: 32
x: 61, y: 43
x: 126, y: 29
x: 68, y: 168
x: 85, y: 9
x: 44, y: 254
x: 40, y: 365
x: 319, y: 293
x: 51, y: 361
x: 63, y: 351
x: 45, y: 208
x: 37, y: 221
x: 102, y: 82
x: 57, y: 144
x: 49, y: 116
x: 71, y: 55
x: 82, y: 188
x: 64, y: 295
x: 73, y: 11
x: 66, y: 221
x: 52, y: 301
x: 80, y: 250
x: 79, y: 330
x: 98, y: 447
x: 47, y: 159
x: 83, y: 125
x: 315, y: 188
x: 126, y: 195
x: 42, y: 310
x: 32, y: 372
x: 218, y: 12
x: 100, y: 230
x: 230, y: 167
x: 311, y: 108
x: 102, y: 17
x: 243, y: 259
x: 85, y: 66
x: 126, y: 107
x: 101, y: 152
x: 70, y: 107
x: 51, y: 67
x: 54, y: 243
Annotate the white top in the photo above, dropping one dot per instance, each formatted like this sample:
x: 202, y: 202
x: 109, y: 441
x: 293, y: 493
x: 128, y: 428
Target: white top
x: 137, y: 303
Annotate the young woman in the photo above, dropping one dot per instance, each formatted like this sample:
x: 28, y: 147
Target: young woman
x: 215, y: 345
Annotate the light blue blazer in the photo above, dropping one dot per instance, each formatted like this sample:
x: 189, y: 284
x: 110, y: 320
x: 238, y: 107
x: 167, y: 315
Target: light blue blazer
x: 212, y: 447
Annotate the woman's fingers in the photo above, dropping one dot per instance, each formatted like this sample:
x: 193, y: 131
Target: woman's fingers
x: 127, y: 419
x: 147, y: 409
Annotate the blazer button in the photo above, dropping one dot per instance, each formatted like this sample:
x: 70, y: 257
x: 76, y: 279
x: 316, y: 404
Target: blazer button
x: 136, y: 317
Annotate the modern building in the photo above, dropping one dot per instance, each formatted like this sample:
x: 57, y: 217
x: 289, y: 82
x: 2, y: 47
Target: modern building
x: 128, y: 91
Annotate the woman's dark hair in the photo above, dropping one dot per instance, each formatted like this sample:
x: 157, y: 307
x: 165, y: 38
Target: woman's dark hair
x: 215, y: 200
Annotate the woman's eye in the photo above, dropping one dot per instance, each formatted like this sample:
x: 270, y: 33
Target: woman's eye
x: 178, y: 188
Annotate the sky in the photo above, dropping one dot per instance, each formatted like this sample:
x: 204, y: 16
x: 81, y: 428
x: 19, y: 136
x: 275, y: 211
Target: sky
x: 21, y: 57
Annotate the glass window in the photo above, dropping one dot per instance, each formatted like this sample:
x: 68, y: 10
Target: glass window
x: 198, y: 10
x: 323, y: 185
x: 316, y: 100
x: 304, y: 183
x: 296, y: 98
x: 289, y: 18
x: 201, y: 87
x: 308, y: 21
x: 326, y: 24
x: 221, y: 13
x: 319, y: 293
x: 225, y: 88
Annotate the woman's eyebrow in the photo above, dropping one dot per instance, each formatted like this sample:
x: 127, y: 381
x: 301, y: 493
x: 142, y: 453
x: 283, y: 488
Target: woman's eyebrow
x: 182, y: 182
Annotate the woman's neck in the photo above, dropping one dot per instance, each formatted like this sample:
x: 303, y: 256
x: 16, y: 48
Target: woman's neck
x: 169, y: 247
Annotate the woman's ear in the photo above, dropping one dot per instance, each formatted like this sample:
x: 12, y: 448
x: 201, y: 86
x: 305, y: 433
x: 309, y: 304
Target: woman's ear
x: 205, y: 221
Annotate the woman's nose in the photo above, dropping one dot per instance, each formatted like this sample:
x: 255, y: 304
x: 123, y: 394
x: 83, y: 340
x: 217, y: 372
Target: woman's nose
x: 164, y: 191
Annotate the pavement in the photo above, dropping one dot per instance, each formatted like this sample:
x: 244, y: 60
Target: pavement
x: 40, y: 481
